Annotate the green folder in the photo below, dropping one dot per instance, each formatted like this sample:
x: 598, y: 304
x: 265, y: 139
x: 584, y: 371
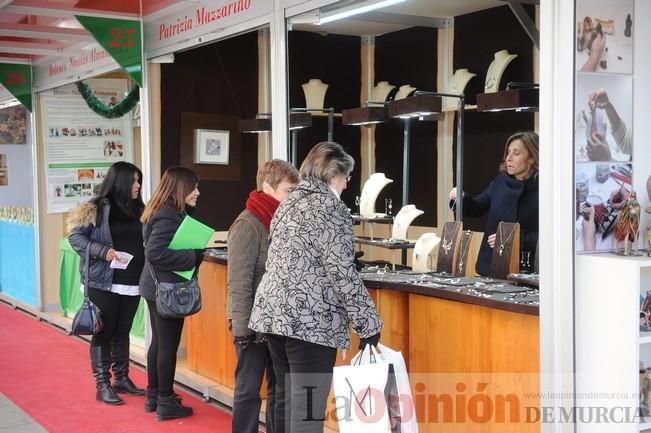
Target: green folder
x: 191, y: 234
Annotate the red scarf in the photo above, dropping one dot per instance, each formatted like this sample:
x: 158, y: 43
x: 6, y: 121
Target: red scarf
x: 263, y: 206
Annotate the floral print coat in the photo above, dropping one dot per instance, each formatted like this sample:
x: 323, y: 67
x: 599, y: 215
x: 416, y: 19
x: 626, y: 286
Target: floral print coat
x: 311, y: 290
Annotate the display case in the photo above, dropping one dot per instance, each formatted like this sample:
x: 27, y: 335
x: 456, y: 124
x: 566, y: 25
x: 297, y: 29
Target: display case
x: 609, y: 292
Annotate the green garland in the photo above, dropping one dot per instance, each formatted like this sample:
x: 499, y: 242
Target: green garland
x: 113, y: 112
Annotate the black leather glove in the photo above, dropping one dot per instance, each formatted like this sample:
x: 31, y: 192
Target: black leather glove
x: 198, y: 257
x: 243, y: 342
x: 358, y: 263
x: 373, y: 340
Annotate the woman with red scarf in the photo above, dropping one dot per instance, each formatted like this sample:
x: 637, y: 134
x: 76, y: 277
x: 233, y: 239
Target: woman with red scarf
x: 248, y: 242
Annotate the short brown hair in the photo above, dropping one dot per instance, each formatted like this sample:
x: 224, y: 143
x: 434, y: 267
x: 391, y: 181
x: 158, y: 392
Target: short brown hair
x: 175, y: 185
x: 529, y: 140
x: 326, y: 160
x: 274, y: 172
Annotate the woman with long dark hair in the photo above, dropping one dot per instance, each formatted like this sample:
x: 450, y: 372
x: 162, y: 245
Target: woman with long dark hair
x: 109, y: 225
x: 174, y: 198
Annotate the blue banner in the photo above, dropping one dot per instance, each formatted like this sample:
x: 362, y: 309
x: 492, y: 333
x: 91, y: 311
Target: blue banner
x: 18, y: 261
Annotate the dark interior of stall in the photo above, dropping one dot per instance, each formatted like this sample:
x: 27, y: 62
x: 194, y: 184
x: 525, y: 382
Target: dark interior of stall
x: 335, y: 60
x: 410, y: 56
x: 485, y: 133
x: 211, y: 88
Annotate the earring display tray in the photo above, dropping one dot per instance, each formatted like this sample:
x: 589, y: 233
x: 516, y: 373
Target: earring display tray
x: 526, y: 279
x: 390, y: 244
x: 378, y: 218
x: 502, y: 288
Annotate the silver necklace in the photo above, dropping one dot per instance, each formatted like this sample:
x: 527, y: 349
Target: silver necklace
x: 447, y: 245
x: 502, y: 240
x: 466, y: 237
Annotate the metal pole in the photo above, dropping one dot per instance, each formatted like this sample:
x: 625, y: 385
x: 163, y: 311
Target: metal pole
x: 459, y: 203
x: 405, y: 163
x: 331, y: 124
x: 293, y: 150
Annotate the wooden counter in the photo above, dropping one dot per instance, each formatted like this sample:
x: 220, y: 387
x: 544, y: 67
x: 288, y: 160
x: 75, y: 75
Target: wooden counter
x: 456, y: 353
x: 209, y: 341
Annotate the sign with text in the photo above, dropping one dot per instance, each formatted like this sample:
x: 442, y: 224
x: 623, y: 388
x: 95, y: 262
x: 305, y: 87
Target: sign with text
x: 205, y: 17
x: 122, y: 40
x: 80, y: 145
x: 18, y: 80
x: 70, y: 68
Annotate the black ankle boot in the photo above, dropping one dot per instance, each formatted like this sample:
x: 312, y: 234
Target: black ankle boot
x: 100, y: 358
x: 169, y: 407
x: 121, y: 382
x: 152, y: 399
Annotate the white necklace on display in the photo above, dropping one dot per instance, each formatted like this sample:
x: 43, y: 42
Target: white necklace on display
x: 502, y: 240
x: 447, y: 245
x: 464, y: 251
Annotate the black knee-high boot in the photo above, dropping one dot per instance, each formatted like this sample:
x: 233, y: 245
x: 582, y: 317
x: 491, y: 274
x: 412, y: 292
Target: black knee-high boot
x: 121, y: 381
x: 100, y: 358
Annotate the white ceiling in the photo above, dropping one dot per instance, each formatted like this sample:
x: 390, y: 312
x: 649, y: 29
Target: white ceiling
x: 442, y: 8
x: 358, y: 25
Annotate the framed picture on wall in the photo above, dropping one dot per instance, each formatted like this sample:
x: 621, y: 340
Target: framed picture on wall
x: 211, y: 146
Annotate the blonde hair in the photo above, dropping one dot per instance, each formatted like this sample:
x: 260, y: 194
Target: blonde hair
x: 326, y: 160
x: 529, y: 141
x: 274, y: 172
x: 175, y: 185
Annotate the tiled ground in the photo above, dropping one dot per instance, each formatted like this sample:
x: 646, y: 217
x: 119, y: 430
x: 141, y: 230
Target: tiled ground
x: 14, y: 420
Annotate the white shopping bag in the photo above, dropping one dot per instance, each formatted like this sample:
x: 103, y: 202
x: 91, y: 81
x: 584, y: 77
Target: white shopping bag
x: 363, y: 395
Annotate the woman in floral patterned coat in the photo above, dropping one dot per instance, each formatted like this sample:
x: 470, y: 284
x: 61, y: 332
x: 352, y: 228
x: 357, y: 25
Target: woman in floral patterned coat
x: 311, y: 291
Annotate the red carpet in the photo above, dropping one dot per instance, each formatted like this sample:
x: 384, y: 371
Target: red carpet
x: 47, y: 374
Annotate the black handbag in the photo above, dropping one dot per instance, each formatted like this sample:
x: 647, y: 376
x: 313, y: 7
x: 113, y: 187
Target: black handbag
x: 88, y: 319
x: 176, y: 300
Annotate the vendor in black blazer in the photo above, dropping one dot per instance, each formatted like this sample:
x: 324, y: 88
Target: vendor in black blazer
x: 512, y: 196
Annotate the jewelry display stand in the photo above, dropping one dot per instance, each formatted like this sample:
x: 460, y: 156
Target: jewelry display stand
x: 422, y: 257
x: 314, y: 91
x: 371, y: 189
x: 381, y: 91
x: 506, y: 252
x: 404, y: 91
x: 448, y: 246
x: 456, y: 84
x: 403, y: 220
x: 461, y: 263
x: 496, y: 69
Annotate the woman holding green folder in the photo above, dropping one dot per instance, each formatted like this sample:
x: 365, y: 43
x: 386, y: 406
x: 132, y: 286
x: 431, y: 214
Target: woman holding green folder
x: 174, y: 198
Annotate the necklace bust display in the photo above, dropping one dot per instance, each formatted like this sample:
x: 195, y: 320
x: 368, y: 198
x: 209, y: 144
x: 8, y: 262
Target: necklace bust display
x: 371, y: 189
x: 500, y: 244
x: 422, y: 256
x: 448, y: 247
x: 314, y: 91
x: 381, y: 91
x: 449, y: 239
x: 466, y: 238
x: 404, y: 91
x: 403, y: 220
x: 496, y: 69
x: 456, y: 84
x: 506, y: 251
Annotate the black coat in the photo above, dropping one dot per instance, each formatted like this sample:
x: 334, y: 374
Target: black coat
x: 506, y: 199
x: 157, y: 234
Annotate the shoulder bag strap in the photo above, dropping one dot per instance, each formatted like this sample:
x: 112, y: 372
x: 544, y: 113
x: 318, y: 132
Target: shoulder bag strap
x: 151, y: 268
x: 153, y: 276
